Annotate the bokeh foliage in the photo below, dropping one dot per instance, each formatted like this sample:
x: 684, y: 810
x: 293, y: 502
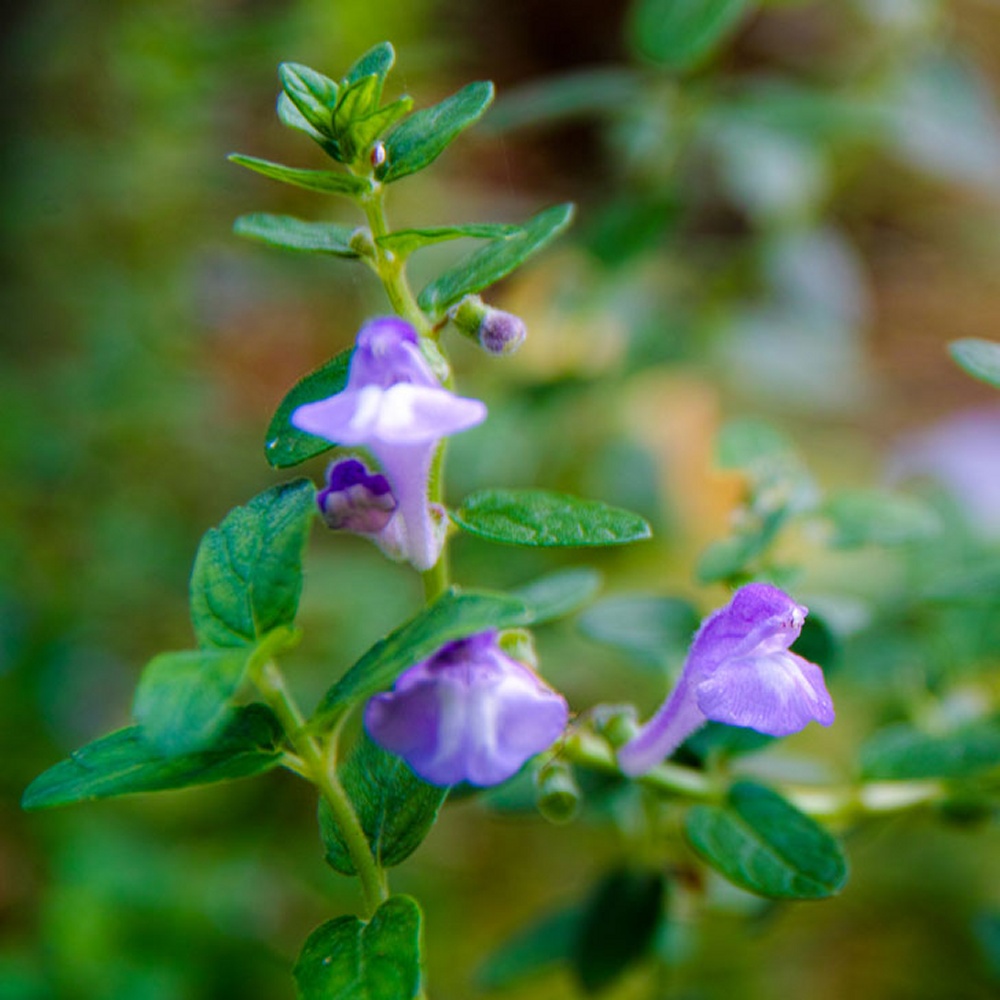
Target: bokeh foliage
x: 756, y: 213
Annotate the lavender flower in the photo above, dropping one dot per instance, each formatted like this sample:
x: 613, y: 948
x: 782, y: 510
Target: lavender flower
x: 497, y: 332
x: 395, y: 407
x: 739, y: 671
x: 469, y: 713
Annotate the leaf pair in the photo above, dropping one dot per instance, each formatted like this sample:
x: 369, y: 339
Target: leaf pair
x: 245, y: 590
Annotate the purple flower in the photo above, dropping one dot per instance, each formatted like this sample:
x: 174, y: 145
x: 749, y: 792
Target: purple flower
x: 963, y: 453
x: 739, y: 671
x: 395, y: 407
x: 469, y: 713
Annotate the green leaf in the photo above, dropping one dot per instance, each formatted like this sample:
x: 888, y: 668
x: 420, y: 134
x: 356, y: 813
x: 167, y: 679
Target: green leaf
x: 314, y: 95
x: 655, y: 630
x: 358, y: 101
x: 324, y: 181
x: 294, y: 234
x: 348, y: 959
x: 286, y: 445
x: 377, y: 61
x: 619, y: 923
x: 680, y: 34
x: 548, y: 942
x: 364, y: 131
x: 719, y: 740
x: 865, y: 517
x: 247, y: 576
x: 184, y: 699
x: 123, y: 763
x: 980, y: 358
x: 452, y: 616
x: 902, y: 753
x: 404, y: 241
x: 545, y: 519
x: 395, y: 808
x: 290, y: 116
x: 762, y: 843
x: 495, y: 260
x: 558, y: 594
x: 419, y: 140
x: 728, y: 558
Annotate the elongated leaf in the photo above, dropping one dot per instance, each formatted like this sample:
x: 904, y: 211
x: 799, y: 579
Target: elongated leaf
x: 286, y: 445
x: 618, y: 926
x: 559, y: 594
x: 377, y: 61
x: 347, y: 959
x: 656, y: 630
x: 405, y: 241
x: 314, y: 95
x: 980, y: 358
x: 452, y: 616
x: 395, y: 808
x: 184, y: 699
x: 495, y: 260
x: 123, y: 763
x: 294, y: 234
x: 247, y: 576
x: 679, y: 34
x: 419, y: 140
x: 364, y: 131
x: 863, y: 517
x: 324, y: 181
x: 545, y: 944
x: 763, y: 843
x: 902, y: 753
x: 290, y: 116
x: 357, y: 102
x: 545, y: 519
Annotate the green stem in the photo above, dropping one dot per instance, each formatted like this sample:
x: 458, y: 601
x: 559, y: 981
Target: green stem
x: 870, y: 798
x: 391, y: 270
x: 321, y: 770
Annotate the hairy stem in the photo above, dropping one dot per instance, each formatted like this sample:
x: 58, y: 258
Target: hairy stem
x: 320, y: 768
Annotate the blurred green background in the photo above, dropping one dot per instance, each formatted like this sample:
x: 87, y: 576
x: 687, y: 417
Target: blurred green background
x: 793, y: 227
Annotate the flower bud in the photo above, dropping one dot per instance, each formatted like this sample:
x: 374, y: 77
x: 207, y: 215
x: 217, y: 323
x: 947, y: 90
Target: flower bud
x: 557, y: 793
x: 497, y: 332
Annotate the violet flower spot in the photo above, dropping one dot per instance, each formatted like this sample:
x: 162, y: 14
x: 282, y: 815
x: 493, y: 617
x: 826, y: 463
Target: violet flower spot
x: 355, y: 499
x: 395, y: 407
x: 739, y: 671
x: 468, y: 713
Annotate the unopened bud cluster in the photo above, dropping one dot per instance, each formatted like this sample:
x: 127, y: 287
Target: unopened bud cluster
x: 497, y: 332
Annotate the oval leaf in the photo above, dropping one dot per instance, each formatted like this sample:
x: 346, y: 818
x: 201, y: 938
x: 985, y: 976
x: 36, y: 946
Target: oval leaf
x: 289, y: 233
x: 124, y: 762
x: 866, y: 517
x: 559, y: 594
x: 324, y: 181
x: 679, y: 34
x: 247, y: 576
x: 762, y: 843
x: 184, y: 699
x: 419, y: 140
x: 980, y: 358
x: 452, y: 616
x: 377, y: 61
x: 395, y: 808
x: 655, y: 630
x: 902, y: 753
x: 286, y: 445
x: 494, y: 261
x: 405, y: 241
x: 618, y: 926
x: 545, y: 519
x: 347, y: 959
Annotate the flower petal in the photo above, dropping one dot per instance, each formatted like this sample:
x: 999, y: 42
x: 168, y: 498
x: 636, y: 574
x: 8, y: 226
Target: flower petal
x: 777, y: 693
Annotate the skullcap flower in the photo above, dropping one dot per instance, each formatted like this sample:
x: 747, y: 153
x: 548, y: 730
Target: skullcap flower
x: 394, y: 406
x: 739, y: 671
x: 468, y: 713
